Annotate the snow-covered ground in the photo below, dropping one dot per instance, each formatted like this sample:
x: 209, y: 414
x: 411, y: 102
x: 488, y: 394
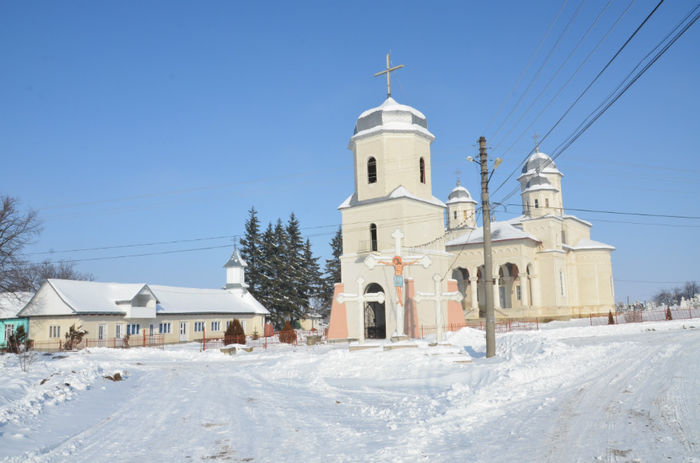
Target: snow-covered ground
x: 566, y: 393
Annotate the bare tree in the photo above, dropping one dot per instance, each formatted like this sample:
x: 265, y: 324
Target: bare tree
x: 36, y: 274
x: 17, y: 229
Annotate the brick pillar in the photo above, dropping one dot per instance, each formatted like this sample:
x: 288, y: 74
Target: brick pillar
x: 338, y: 324
x: 455, y: 315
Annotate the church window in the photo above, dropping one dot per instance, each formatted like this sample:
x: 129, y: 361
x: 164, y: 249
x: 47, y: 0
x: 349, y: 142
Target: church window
x: 563, y: 237
x: 518, y: 293
x: 537, y: 205
x: 465, y: 215
x: 561, y: 282
x: 371, y: 170
x: 455, y: 215
x: 422, y: 170
x: 373, y: 237
x: 546, y: 202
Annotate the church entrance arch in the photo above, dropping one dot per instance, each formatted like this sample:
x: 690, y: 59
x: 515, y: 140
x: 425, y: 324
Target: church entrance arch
x: 508, y: 287
x: 375, y: 315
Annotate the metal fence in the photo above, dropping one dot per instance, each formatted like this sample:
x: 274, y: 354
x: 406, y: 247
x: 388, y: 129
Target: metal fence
x: 261, y: 342
x: 145, y: 340
x: 638, y: 316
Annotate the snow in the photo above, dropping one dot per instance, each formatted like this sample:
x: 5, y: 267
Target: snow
x: 397, y: 193
x: 12, y: 303
x: 568, y: 392
x: 586, y: 243
x: 500, y: 231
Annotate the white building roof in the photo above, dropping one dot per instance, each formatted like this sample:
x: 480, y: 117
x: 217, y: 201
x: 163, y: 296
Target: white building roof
x: 500, y: 231
x: 12, y: 303
x: 585, y: 244
x: 91, y: 297
x: 391, y: 116
x: 459, y: 194
x: 539, y: 162
x: 399, y: 192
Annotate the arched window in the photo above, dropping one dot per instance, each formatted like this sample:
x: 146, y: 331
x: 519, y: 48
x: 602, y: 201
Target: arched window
x: 422, y: 170
x: 537, y: 205
x: 372, y: 237
x: 371, y: 170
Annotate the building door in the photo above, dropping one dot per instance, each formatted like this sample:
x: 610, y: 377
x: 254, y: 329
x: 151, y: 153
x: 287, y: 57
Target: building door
x: 9, y: 329
x: 101, y: 335
x: 375, y: 315
x: 183, y: 331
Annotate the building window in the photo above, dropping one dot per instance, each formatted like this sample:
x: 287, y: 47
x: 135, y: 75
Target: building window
x: 150, y: 329
x: 133, y: 328
x: 455, y: 215
x: 198, y: 327
x: 372, y: 237
x: 563, y: 237
x: 517, y: 292
x: 561, y: 282
x: 422, y: 170
x: 118, y: 331
x: 371, y: 170
x: 164, y: 328
x: 546, y: 202
x: 537, y: 205
x: 9, y: 330
x: 54, y: 331
x: 215, y: 326
x: 465, y: 215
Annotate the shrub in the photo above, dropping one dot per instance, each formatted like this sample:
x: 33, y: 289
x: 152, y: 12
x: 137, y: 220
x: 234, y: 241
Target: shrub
x: 74, y: 337
x: 611, y: 320
x: 234, y: 333
x: 18, y: 341
x: 255, y: 335
x: 125, y: 342
x: 287, y: 334
x: 668, y: 314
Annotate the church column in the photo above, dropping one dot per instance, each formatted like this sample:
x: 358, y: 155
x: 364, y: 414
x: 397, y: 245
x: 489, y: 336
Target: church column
x: 473, y: 285
x: 524, y: 298
x: 496, y: 291
x: 508, y: 286
x: 534, y: 281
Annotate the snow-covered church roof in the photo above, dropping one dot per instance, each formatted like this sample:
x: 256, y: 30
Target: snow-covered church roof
x: 391, y: 116
x: 399, y: 192
x: 459, y: 194
x: 538, y: 182
x: 539, y: 163
x: 500, y: 231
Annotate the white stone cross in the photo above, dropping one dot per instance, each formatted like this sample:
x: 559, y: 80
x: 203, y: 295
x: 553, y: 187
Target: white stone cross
x: 361, y: 298
x: 398, y: 263
x: 438, y: 297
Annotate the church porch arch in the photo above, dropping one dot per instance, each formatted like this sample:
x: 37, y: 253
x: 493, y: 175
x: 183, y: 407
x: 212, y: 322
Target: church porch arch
x: 375, y: 314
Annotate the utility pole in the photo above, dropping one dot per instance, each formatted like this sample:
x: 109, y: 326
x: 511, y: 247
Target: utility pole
x: 488, y: 264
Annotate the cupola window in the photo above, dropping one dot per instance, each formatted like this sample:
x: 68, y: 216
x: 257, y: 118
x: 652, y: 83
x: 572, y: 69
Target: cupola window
x: 371, y: 170
x: 422, y: 170
x: 372, y: 237
x: 537, y: 204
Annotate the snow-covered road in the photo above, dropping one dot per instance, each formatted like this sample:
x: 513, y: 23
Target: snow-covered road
x: 564, y: 393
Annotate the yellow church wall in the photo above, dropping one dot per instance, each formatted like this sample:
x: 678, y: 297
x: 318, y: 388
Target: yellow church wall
x: 397, y: 157
x: 575, y: 231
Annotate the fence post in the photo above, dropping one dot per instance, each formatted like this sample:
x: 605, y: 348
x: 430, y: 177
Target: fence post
x: 144, y: 338
x: 537, y: 323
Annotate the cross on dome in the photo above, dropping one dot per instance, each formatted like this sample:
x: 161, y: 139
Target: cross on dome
x: 388, y: 72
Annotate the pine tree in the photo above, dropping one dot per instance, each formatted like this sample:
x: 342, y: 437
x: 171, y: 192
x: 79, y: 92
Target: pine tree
x: 294, y: 269
x: 332, y: 272
x: 311, y: 281
x: 251, y: 252
x: 266, y: 285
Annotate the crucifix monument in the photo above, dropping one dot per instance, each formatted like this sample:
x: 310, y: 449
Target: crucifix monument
x: 438, y: 297
x: 398, y: 262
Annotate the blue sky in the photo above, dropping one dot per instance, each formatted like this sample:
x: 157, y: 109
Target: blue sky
x: 137, y: 122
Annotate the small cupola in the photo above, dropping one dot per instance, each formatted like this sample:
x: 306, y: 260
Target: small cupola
x: 460, y: 208
x: 235, y: 273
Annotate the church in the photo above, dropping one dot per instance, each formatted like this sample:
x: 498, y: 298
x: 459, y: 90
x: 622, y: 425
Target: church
x: 413, y: 264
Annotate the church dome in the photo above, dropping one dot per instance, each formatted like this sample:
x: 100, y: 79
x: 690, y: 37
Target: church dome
x: 539, y: 162
x: 391, y: 116
x: 460, y: 195
x: 538, y: 182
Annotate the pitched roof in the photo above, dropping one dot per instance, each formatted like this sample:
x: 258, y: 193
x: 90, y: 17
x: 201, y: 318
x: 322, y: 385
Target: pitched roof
x: 97, y: 297
x: 12, y: 303
x: 399, y: 192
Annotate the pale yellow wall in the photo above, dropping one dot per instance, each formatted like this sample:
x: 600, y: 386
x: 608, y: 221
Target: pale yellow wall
x: 420, y: 222
x: 397, y: 156
x: 39, y: 326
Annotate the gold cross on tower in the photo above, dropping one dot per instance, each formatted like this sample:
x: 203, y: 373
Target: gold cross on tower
x: 536, y: 138
x: 388, y: 71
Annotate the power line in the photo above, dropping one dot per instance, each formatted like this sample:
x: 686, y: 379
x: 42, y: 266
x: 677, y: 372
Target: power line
x: 639, y: 214
x: 527, y: 66
x: 542, y: 66
x: 595, y: 79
